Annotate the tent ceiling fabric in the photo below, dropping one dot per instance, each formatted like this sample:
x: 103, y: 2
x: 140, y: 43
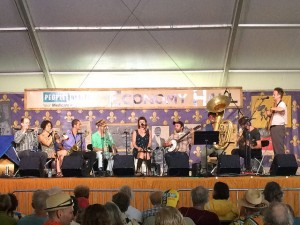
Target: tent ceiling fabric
x: 122, y: 43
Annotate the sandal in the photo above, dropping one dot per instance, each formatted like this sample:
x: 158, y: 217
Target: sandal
x: 59, y: 174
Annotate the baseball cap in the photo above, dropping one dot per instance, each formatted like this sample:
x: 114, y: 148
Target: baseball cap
x: 179, y: 122
x: 170, y: 198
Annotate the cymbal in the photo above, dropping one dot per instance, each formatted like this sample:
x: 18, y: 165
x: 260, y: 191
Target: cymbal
x: 218, y: 103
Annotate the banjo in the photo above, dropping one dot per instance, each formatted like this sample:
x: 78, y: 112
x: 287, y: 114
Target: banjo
x: 174, y: 142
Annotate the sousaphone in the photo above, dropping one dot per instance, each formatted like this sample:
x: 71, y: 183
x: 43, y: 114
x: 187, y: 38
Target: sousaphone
x: 218, y: 105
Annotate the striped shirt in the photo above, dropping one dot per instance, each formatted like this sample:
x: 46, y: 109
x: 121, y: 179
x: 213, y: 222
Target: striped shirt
x: 26, y: 141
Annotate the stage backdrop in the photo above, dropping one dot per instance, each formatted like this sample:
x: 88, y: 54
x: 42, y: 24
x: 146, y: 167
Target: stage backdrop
x: 126, y: 119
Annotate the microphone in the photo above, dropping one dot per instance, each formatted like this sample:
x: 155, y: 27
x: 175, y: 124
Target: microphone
x: 264, y: 98
x: 225, y: 91
x: 80, y: 132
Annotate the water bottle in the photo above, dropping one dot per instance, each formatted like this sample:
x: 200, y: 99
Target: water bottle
x: 6, y: 171
x: 50, y: 173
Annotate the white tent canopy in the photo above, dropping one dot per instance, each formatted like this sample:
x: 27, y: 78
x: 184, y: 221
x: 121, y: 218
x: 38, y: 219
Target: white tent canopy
x: 149, y: 43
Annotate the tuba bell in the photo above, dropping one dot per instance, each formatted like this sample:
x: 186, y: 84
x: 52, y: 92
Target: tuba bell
x: 218, y: 105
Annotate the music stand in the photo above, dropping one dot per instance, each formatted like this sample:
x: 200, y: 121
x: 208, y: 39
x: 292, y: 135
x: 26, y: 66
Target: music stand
x: 206, y: 138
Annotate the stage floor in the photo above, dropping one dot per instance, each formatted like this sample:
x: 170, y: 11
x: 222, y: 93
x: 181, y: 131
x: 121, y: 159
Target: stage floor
x: 102, y: 188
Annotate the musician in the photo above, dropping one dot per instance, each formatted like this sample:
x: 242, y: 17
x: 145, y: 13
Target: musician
x: 26, y: 141
x: 278, y: 117
x: 211, y: 116
x: 76, y: 140
x: 104, y: 146
x: 183, y: 146
x: 249, y: 142
x: 142, y: 141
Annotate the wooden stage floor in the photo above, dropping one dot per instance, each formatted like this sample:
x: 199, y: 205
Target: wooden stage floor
x: 102, y: 188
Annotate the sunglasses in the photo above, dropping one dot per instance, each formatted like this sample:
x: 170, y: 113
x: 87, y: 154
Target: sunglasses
x: 67, y: 203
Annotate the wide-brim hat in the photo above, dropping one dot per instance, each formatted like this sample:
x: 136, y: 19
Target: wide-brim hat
x: 253, y: 199
x: 101, y: 123
x: 179, y: 122
x: 58, y: 201
x: 170, y: 198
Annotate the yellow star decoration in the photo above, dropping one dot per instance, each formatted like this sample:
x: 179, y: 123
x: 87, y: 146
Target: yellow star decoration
x: 197, y: 151
x: 80, y: 111
x: 90, y: 116
x: 101, y: 111
x: 175, y: 116
x: 123, y: 111
x: 295, y: 106
x: 15, y: 108
x: 295, y: 125
x: 4, y: 99
x: 187, y: 110
x: 47, y: 116
x: 132, y: 117
x: 111, y: 118
x: 26, y: 115
x: 58, y: 111
x: 58, y: 124
x: 197, y: 116
x: 16, y: 124
x: 37, y: 123
x: 122, y: 121
x: 154, y: 117
x: 166, y: 110
x: 165, y: 123
x: 295, y: 141
x: 69, y: 117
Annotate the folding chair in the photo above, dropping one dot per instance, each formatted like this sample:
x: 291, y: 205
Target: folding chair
x: 264, y: 143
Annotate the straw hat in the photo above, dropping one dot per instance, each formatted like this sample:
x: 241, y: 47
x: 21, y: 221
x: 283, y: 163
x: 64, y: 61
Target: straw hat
x: 101, y: 123
x: 253, y: 199
x: 170, y: 198
x: 58, y: 201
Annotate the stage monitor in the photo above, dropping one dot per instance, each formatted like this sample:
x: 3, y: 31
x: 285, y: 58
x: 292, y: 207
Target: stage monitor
x: 206, y: 137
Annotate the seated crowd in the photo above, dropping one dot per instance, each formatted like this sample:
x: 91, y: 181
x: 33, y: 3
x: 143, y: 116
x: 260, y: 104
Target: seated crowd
x: 55, y: 207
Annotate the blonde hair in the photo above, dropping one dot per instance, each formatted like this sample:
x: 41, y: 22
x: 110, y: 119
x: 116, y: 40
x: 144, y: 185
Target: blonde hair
x: 169, y: 216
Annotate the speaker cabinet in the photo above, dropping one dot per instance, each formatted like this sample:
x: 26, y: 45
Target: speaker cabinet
x: 73, y: 166
x: 229, y: 164
x: 29, y: 167
x: 178, y: 164
x: 123, y: 165
x: 284, y: 165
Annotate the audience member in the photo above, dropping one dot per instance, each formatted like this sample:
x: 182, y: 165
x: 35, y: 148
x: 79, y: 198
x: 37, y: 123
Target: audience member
x: 82, y: 191
x: 132, y: 213
x: 38, y: 204
x: 252, y: 205
x: 170, y: 198
x: 278, y: 214
x: 273, y: 193
x: 122, y: 201
x: 197, y: 213
x: 114, y: 213
x: 60, y: 209
x: 5, y: 205
x: 83, y: 203
x: 155, y: 199
x: 75, y: 211
x: 95, y: 215
x: 14, y: 205
x: 169, y: 216
x: 220, y: 204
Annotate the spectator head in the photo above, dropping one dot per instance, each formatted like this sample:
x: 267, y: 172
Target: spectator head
x: 39, y: 200
x: 170, y: 198
x: 121, y: 200
x: 169, y: 216
x: 14, y: 203
x: 127, y: 191
x: 199, y: 196
x: 60, y: 208
x: 253, y: 200
x: 156, y: 197
x: 278, y: 214
x: 96, y: 215
x: 5, y: 203
x: 82, y: 191
x: 273, y: 192
x: 221, y: 191
x: 114, y: 213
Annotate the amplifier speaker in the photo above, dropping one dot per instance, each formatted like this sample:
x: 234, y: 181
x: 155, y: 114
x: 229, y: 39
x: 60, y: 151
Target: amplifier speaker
x: 73, y: 166
x: 284, y: 165
x: 229, y: 164
x: 29, y: 166
x: 123, y: 165
x: 179, y: 165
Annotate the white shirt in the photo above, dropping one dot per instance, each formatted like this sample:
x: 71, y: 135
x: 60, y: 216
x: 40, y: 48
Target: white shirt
x: 133, y: 213
x: 280, y: 118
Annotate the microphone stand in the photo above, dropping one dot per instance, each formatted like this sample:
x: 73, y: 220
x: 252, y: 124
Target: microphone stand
x: 126, y: 141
